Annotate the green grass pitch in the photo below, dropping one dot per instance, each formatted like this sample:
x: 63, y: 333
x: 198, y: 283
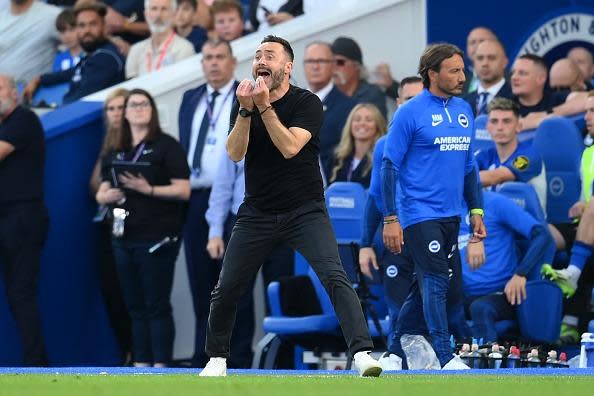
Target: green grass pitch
x: 340, y: 385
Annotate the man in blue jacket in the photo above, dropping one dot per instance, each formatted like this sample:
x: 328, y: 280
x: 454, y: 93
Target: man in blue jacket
x: 428, y: 155
x: 493, y: 287
x: 100, y: 67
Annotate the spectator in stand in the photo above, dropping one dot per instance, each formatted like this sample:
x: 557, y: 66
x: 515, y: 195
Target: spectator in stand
x: 184, y: 24
x: 583, y: 58
x: 318, y: 66
x: 69, y: 57
x: 529, y: 76
x: 267, y: 13
x: 164, y: 47
x: 474, y: 38
x: 227, y: 16
x: 566, y: 76
x: 101, y: 67
x: 28, y: 38
x: 350, y: 75
x: 352, y: 158
x: 490, y: 62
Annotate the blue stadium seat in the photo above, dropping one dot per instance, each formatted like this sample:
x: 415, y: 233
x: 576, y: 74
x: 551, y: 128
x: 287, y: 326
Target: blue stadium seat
x: 481, y: 139
x: 578, y: 120
x: 345, y: 202
x: 278, y: 325
x: 560, y: 144
x: 540, y: 314
x: 51, y: 96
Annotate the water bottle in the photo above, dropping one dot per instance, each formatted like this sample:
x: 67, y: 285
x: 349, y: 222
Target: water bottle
x: 563, y: 360
x: 533, y: 361
x: 495, y: 357
x: 474, y: 357
x: 552, y: 361
x: 464, y: 351
x: 513, y: 359
x: 587, y: 350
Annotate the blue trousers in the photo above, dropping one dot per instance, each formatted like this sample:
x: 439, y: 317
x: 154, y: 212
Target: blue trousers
x: 485, y: 311
x: 146, y: 280
x: 434, y: 305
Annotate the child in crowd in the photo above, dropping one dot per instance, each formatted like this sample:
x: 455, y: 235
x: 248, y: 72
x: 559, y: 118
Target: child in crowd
x: 184, y: 24
x: 69, y: 57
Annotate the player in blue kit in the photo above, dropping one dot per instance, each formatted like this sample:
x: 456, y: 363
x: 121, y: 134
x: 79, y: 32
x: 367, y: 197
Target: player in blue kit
x: 510, y: 159
x: 427, y: 153
x: 493, y: 290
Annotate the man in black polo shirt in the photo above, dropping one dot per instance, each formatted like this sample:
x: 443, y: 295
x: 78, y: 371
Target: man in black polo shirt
x: 23, y: 216
x: 277, y: 131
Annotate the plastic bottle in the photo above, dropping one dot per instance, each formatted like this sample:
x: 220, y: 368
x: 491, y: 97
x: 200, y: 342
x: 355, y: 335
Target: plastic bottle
x: 464, y: 352
x: 563, y: 360
x: 587, y: 350
x: 513, y: 359
x: 495, y: 357
x: 474, y: 357
x: 533, y: 359
x: 552, y: 361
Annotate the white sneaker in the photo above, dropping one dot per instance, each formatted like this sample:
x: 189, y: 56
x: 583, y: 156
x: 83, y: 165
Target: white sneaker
x: 216, y: 367
x: 390, y: 362
x: 455, y: 364
x: 366, y: 365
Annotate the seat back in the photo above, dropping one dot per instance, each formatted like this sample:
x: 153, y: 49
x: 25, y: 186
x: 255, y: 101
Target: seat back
x: 345, y: 202
x: 51, y: 96
x: 482, y: 139
x: 560, y: 144
x: 540, y: 314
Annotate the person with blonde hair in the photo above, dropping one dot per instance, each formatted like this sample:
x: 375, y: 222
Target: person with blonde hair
x: 353, y: 155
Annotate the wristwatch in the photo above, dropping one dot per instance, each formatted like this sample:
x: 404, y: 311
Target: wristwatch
x: 245, y: 113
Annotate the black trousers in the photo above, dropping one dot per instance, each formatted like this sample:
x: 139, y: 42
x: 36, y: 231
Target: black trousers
x: 306, y: 229
x: 23, y: 230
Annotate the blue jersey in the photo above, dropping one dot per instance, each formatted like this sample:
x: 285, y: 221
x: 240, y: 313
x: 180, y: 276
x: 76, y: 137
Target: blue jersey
x: 375, y: 185
x: 64, y: 61
x: 428, y: 144
x: 505, y: 220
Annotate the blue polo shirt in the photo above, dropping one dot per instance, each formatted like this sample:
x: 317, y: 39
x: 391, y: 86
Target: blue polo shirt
x: 525, y: 162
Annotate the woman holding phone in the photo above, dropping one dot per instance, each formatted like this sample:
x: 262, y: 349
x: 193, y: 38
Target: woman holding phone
x: 148, y: 218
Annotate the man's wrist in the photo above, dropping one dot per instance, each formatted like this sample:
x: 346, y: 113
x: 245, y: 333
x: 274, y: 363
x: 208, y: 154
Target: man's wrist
x: 391, y: 219
x: 477, y: 211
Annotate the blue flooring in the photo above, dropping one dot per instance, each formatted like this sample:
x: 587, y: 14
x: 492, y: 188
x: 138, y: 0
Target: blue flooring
x: 187, y: 371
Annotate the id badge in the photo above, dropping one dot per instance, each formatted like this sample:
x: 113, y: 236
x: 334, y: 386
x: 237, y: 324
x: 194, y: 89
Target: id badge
x: 119, y: 219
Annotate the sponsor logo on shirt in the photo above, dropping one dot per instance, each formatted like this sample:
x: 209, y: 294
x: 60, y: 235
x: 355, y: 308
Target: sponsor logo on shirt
x: 436, y: 119
x: 434, y: 246
x: 453, y: 143
x: 521, y: 162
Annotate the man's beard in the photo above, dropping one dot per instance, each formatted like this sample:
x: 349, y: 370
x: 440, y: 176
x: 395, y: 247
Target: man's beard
x: 340, y: 78
x: 157, y: 28
x: 91, y: 46
x: 277, y: 79
x: 5, y: 106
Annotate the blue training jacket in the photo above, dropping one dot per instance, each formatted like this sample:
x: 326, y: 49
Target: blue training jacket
x: 428, y: 147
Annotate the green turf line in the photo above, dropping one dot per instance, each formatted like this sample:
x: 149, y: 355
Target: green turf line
x: 393, y: 385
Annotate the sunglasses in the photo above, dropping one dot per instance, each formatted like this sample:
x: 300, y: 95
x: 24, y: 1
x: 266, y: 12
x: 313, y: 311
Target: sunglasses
x: 340, y: 62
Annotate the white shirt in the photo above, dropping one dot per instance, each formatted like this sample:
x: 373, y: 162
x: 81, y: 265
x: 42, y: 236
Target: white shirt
x: 322, y: 93
x: 491, y: 90
x: 143, y: 58
x: 214, y: 145
x: 28, y: 41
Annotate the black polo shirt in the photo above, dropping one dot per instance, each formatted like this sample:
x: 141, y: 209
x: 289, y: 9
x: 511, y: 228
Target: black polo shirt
x: 152, y: 219
x: 21, y: 172
x: 547, y: 103
x: 272, y: 183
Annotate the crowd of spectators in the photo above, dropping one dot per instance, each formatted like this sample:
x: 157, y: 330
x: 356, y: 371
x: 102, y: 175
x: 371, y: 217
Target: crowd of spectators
x: 91, y: 46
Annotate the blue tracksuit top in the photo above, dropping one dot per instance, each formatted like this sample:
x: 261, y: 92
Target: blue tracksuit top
x: 428, y: 144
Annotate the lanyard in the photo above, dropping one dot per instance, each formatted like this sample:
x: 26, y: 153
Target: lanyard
x: 138, y: 152
x: 149, y: 55
x: 212, y: 121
